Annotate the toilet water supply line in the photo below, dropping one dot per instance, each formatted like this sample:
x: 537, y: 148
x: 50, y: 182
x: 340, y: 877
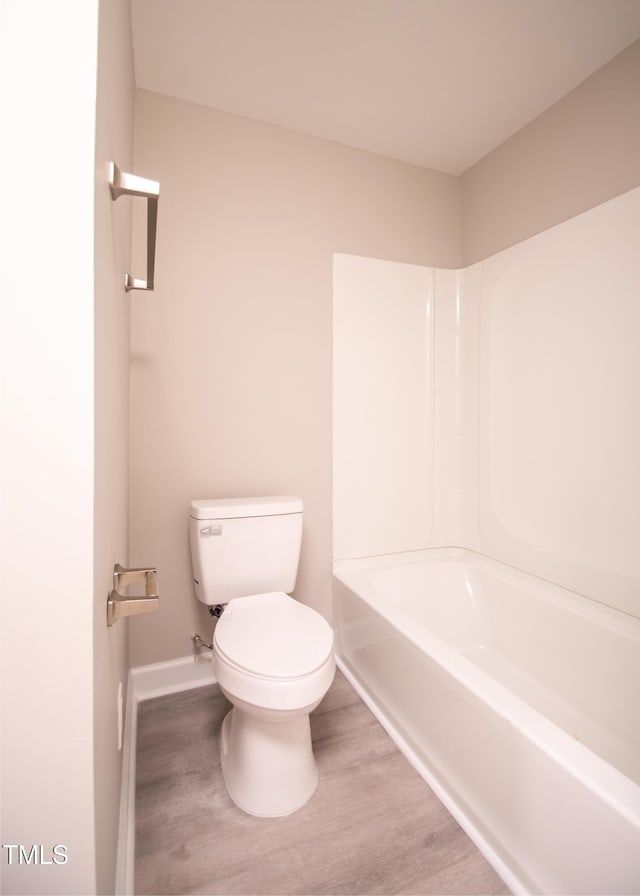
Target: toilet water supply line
x: 216, y: 612
x: 200, y: 642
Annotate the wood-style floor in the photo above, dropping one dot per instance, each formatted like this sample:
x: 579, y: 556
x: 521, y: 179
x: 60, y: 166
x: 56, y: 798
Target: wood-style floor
x: 372, y: 826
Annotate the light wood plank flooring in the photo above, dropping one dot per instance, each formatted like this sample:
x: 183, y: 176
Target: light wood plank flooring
x: 373, y: 826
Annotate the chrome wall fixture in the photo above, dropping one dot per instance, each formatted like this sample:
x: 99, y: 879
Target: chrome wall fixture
x: 120, y: 605
x: 123, y: 184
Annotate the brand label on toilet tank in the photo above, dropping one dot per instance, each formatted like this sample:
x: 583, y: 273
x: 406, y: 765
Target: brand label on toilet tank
x: 211, y: 530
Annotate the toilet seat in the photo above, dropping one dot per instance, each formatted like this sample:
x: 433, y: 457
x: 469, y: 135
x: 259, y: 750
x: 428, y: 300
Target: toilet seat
x: 271, y: 651
x: 273, y: 636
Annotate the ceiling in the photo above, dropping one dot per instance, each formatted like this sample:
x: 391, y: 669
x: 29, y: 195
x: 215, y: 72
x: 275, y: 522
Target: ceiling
x: 437, y: 83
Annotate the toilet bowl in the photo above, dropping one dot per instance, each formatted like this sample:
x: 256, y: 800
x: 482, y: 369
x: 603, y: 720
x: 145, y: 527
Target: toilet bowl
x: 273, y: 659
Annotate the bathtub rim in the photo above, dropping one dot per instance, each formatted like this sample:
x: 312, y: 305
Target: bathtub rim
x: 588, y: 606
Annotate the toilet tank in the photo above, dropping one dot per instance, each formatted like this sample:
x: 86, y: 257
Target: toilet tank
x: 243, y: 546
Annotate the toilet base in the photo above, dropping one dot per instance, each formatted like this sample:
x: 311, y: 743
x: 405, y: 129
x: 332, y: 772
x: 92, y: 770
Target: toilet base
x: 268, y: 764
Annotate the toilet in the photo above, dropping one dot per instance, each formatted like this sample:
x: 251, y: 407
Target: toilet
x: 272, y: 656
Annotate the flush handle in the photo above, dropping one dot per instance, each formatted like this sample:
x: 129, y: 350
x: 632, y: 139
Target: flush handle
x: 121, y: 605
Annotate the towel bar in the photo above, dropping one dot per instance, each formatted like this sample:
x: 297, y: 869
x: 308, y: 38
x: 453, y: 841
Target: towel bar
x: 123, y: 184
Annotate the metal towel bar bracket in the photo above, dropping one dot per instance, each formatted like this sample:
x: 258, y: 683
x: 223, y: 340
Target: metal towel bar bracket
x: 123, y: 184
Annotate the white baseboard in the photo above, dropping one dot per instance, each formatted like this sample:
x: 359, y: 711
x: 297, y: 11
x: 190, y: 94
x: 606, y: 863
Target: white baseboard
x: 181, y: 674
x: 144, y: 683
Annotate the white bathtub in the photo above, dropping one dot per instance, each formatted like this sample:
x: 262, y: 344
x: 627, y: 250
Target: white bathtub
x: 518, y: 701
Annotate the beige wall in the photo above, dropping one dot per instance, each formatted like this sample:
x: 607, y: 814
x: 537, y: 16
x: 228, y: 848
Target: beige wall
x: 583, y: 150
x: 114, y: 141
x: 231, y: 355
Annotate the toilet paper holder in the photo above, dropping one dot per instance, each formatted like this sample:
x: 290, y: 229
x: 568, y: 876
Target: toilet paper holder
x: 121, y: 605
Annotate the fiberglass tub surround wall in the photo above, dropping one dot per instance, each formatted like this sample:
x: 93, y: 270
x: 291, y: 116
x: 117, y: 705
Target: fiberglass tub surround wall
x: 534, y: 398
x: 382, y: 406
x: 559, y: 394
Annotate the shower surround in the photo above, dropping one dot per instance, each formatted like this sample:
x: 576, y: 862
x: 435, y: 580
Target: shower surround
x: 495, y: 409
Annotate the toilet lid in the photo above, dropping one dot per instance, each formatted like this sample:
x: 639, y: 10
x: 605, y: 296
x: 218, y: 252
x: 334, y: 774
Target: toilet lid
x: 273, y: 636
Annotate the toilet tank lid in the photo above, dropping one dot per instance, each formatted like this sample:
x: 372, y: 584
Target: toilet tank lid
x: 230, y: 508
